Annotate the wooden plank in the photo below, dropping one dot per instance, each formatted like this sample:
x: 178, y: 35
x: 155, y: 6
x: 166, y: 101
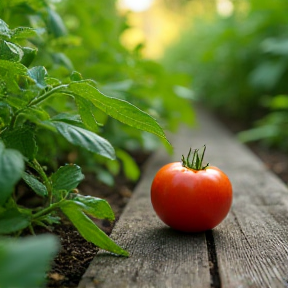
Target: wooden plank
x: 252, y: 248
x: 252, y: 242
x: 160, y: 257
x: 248, y: 249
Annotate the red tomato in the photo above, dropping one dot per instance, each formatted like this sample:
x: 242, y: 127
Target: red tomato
x: 191, y: 200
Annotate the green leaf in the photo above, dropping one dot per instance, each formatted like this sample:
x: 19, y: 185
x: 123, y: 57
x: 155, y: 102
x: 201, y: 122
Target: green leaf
x: 121, y: 110
x: 24, y: 262
x: 105, y: 176
x: 14, y: 75
x: 52, y: 82
x: 29, y: 55
x: 85, y: 139
x: 38, y: 187
x: 35, y: 114
x: 10, y: 51
x: 279, y: 102
x: 131, y: 169
x: 96, y: 207
x: 68, y: 118
x: 86, y: 111
x: 23, y: 140
x: 18, y: 33
x: 267, y: 74
x: 12, y: 68
x: 67, y: 177
x: 4, y: 29
x: 276, y: 46
x: 76, y: 76
x: 50, y: 219
x: 184, y: 92
x: 12, y: 221
x: 5, y: 114
x: 89, y: 230
x: 11, y: 170
x: 55, y: 24
x: 38, y: 74
x: 258, y: 133
x: 62, y: 59
x: 22, y: 33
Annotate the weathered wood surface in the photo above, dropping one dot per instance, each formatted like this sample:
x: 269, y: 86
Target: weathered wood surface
x: 248, y: 249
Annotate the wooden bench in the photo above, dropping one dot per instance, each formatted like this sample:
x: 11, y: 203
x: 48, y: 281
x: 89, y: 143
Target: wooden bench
x: 248, y: 249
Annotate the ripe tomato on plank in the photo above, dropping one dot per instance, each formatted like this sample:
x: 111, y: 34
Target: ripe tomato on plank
x: 190, y: 197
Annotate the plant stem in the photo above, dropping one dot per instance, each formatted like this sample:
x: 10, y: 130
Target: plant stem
x: 14, y: 117
x: 47, y: 210
x: 43, y: 97
x: 35, y: 165
x: 202, y: 156
x: 197, y: 161
x: 35, y: 101
x: 31, y: 230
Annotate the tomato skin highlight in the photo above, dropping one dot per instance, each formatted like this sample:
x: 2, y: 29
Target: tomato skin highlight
x: 191, y: 200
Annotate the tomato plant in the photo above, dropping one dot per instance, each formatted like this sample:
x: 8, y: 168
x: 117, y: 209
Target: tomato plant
x: 191, y: 197
x: 27, y: 119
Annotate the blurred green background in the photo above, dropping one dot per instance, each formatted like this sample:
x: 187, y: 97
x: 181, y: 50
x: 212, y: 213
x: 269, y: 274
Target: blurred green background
x: 162, y: 56
x: 236, y: 53
x: 86, y: 38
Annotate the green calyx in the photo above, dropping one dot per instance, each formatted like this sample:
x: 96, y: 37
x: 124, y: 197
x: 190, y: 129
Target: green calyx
x: 197, y: 159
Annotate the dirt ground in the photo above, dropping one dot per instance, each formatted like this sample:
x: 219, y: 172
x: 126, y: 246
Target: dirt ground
x: 76, y: 253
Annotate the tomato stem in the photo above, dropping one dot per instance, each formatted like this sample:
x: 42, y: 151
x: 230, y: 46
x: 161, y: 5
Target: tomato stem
x: 197, y: 159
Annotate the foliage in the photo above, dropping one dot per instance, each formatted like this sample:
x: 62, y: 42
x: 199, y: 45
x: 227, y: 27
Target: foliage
x: 23, y: 91
x: 48, y: 109
x: 272, y: 129
x: 235, y: 60
x: 124, y: 74
x: 94, y: 49
x: 31, y: 109
x: 17, y: 262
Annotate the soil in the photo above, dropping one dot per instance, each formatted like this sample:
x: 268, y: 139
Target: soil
x: 76, y: 254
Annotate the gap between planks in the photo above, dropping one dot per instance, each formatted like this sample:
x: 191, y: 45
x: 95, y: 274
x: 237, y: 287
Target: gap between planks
x: 248, y: 249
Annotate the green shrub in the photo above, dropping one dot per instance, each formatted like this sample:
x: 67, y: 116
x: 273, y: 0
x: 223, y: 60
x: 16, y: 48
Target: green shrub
x: 24, y: 262
x: 28, y: 117
x: 94, y: 49
x: 47, y: 109
x: 272, y: 129
x: 22, y: 94
x: 233, y: 61
x: 123, y: 74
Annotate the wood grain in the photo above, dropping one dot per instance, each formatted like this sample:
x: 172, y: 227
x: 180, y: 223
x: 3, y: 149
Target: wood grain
x: 252, y: 242
x: 159, y: 256
x: 250, y: 245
